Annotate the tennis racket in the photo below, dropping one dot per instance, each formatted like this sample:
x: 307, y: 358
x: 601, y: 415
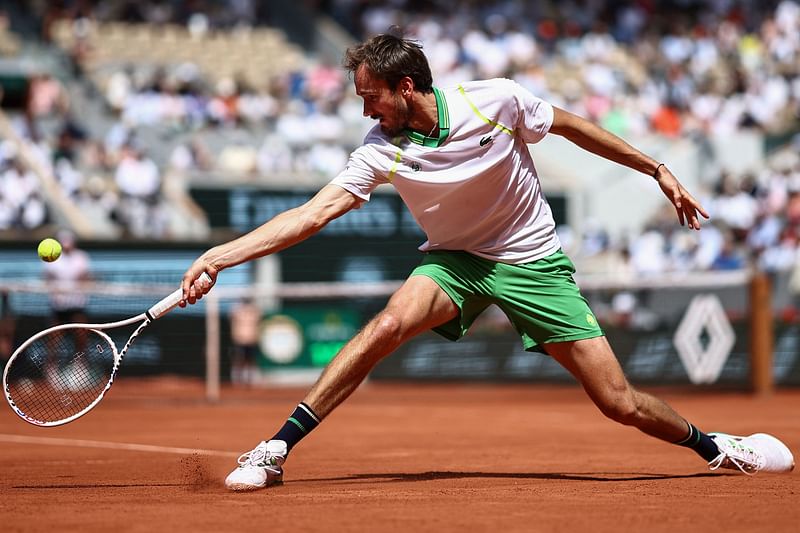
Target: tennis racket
x: 61, y: 373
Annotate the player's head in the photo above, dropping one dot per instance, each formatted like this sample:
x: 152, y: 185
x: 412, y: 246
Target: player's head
x: 387, y: 71
x: 391, y: 58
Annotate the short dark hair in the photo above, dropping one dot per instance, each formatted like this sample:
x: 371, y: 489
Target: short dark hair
x: 391, y: 58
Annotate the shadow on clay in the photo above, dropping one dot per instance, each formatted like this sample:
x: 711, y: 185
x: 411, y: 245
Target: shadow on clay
x: 433, y: 476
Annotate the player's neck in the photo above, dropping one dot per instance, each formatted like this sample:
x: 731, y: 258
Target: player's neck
x: 426, y: 117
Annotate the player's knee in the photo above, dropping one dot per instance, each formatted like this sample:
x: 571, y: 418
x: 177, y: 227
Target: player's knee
x: 388, y: 328
x: 621, y: 408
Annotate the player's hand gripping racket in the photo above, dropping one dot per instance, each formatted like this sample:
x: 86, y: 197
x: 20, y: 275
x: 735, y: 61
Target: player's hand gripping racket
x: 61, y: 373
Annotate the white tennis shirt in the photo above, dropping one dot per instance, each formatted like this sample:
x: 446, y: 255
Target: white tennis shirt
x: 475, y: 187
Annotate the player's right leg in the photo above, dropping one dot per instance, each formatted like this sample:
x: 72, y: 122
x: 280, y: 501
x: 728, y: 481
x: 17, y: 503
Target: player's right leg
x: 419, y: 305
x: 596, y: 367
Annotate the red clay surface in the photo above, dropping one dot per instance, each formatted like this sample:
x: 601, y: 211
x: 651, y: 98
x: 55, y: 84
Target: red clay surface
x: 393, y: 458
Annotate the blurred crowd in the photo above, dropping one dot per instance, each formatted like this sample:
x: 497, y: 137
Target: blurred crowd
x: 675, y: 67
x: 108, y: 178
x: 680, y: 68
x: 755, y: 220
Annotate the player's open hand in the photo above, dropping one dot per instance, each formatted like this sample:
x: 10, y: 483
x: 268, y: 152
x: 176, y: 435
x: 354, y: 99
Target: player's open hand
x: 687, y: 208
x: 193, y: 286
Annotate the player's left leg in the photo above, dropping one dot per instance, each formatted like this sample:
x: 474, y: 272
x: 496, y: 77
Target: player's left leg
x: 418, y: 305
x: 594, y: 365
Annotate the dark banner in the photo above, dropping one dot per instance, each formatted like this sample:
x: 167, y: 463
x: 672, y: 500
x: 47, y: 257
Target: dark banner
x: 172, y: 345
x: 646, y: 357
x: 176, y: 345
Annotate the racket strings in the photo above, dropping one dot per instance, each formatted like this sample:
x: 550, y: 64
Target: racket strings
x: 60, y: 374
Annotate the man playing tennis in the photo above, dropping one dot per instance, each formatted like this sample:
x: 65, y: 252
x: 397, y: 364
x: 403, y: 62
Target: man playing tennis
x: 459, y: 158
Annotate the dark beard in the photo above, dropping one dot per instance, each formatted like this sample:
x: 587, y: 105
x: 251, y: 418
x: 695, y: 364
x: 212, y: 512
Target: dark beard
x: 401, y: 110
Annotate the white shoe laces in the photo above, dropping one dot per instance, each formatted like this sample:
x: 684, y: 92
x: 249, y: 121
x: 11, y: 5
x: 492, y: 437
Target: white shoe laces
x: 253, y: 457
x: 744, y: 458
x: 259, y: 457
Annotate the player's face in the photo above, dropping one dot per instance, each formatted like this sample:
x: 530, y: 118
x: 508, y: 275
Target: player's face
x: 382, y: 103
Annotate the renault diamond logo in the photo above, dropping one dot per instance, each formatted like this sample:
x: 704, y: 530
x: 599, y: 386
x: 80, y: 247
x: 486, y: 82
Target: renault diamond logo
x: 704, y: 361
x: 486, y: 140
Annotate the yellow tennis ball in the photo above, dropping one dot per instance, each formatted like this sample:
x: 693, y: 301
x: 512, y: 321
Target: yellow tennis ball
x: 49, y: 250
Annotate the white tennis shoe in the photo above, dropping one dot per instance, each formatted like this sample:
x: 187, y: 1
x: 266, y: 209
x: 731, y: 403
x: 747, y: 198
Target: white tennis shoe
x: 756, y: 453
x: 260, y: 467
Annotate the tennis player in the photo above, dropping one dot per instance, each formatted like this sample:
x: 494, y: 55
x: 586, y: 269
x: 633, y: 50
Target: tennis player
x: 459, y: 158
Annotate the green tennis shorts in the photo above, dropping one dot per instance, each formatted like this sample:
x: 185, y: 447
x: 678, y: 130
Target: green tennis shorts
x: 540, y: 298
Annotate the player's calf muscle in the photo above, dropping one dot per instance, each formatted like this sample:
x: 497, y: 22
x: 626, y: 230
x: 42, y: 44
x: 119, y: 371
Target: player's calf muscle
x: 644, y: 412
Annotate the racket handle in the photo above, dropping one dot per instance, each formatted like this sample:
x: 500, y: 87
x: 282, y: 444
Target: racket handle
x: 168, y: 304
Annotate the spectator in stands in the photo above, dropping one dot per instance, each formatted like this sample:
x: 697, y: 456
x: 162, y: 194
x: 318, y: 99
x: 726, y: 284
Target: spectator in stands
x: 46, y: 96
x: 324, y: 81
x: 730, y: 256
x: 275, y: 156
x: 191, y: 156
x: 8, y: 215
x: 34, y: 214
x: 98, y: 198
x: 781, y: 255
x: 245, y: 319
x: 137, y: 176
x: 735, y: 204
x: 118, y: 89
x: 667, y: 121
x: 22, y: 205
x: 66, y: 273
x: 648, y: 251
x: 326, y: 154
x: 139, y: 182
x: 8, y: 324
x: 67, y: 300
x: 223, y: 106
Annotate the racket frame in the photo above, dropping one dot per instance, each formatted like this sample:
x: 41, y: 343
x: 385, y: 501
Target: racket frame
x: 161, y: 308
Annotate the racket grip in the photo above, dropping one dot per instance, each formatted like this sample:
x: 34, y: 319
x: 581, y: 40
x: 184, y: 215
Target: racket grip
x: 168, y: 304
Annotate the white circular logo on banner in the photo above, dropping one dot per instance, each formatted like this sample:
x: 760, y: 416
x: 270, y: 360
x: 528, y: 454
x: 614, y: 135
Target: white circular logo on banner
x: 281, y: 339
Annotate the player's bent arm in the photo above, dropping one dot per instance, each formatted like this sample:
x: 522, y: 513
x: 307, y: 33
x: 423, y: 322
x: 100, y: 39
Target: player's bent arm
x: 282, y: 231
x: 595, y: 139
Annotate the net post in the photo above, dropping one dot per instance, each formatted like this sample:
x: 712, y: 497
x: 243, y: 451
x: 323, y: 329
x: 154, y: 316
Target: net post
x: 761, y: 334
x: 212, y: 348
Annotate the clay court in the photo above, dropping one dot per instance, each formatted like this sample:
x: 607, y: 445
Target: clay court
x: 453, y: 457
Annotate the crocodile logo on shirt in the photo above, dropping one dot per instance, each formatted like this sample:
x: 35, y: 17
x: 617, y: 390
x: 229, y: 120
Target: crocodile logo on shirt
x: 486, y: 140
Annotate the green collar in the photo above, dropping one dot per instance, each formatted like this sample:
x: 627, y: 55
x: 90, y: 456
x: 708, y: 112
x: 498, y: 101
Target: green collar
x: 444, y: 125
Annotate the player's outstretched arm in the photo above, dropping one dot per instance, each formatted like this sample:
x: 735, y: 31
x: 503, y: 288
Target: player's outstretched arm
x: 282, y: 231
x: 595, y: 139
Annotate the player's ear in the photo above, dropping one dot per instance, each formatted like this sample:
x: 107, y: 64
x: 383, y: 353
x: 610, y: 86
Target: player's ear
x: 406, y: 86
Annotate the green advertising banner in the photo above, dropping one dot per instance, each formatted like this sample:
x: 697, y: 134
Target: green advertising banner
x: 305, y: 337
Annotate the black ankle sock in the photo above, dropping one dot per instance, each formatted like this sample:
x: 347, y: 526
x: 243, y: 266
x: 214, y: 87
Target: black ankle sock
x: 701, y: 443
x: 299, y: 424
